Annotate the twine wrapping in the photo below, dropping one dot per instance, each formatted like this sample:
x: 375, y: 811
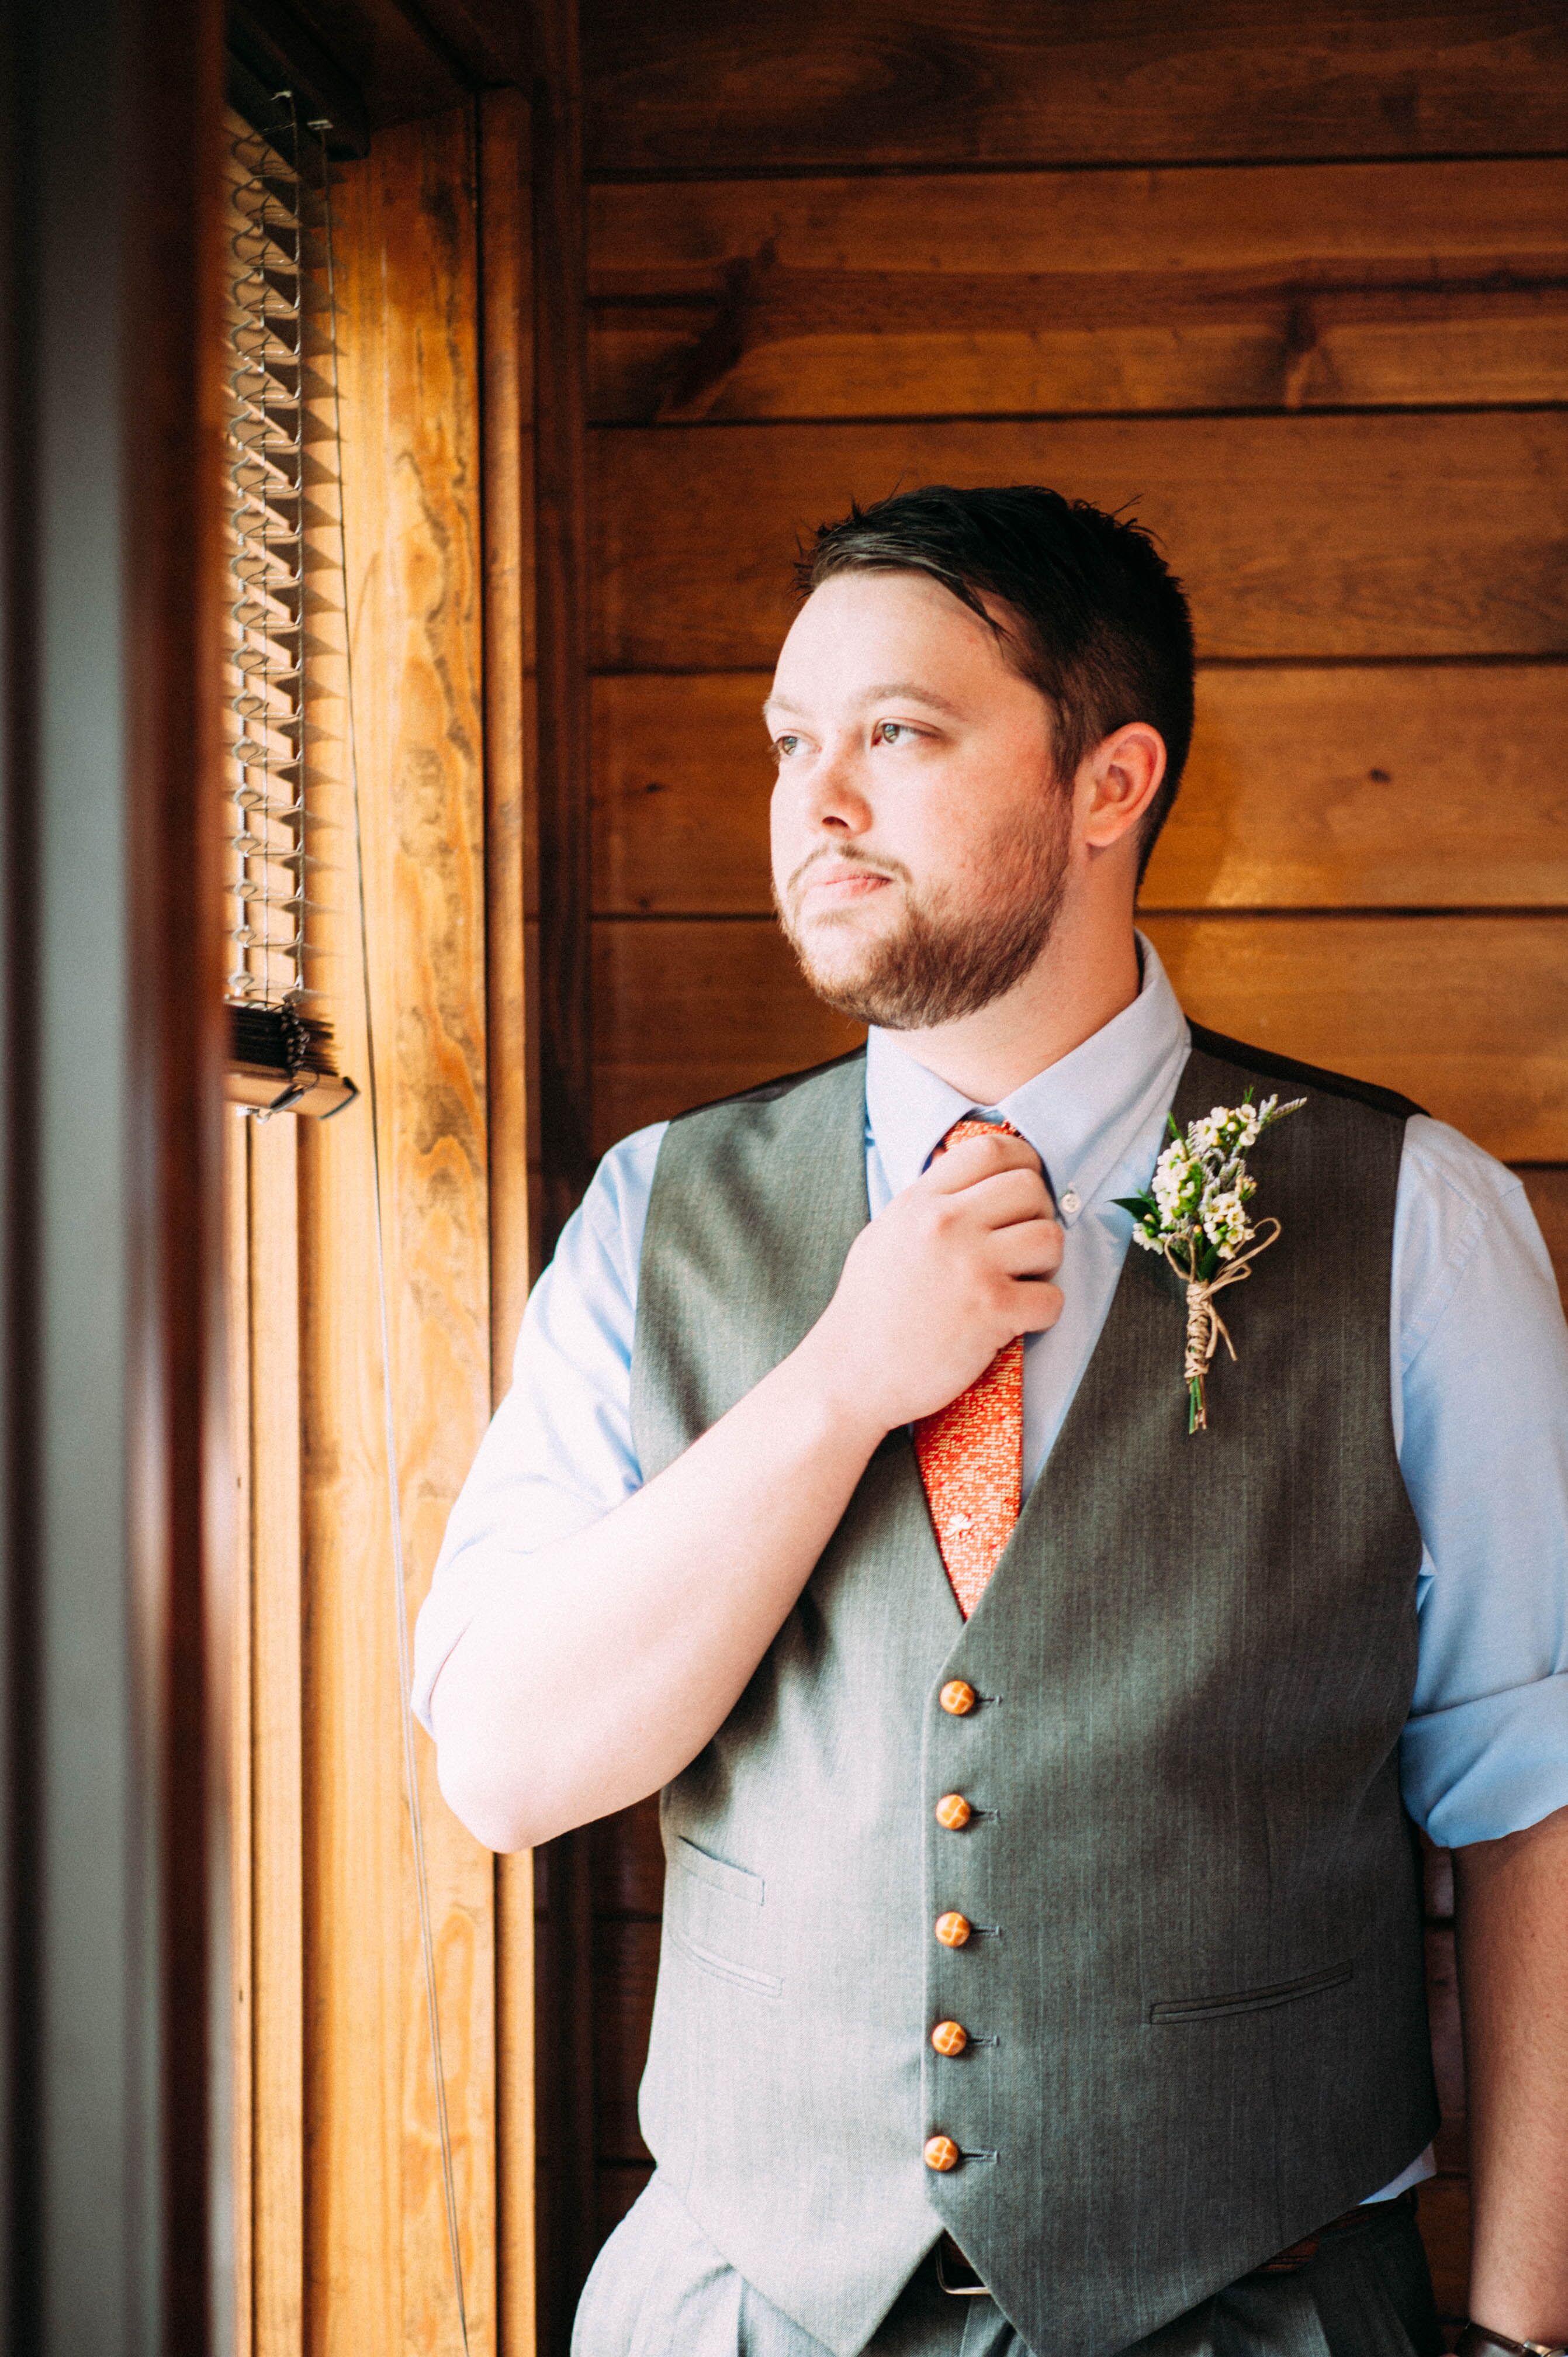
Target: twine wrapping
x: 1206, y: 1329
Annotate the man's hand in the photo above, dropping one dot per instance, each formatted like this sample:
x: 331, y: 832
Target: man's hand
x: 653, y: 1632
x: 954, y: 1267
x: 1512, y: 1909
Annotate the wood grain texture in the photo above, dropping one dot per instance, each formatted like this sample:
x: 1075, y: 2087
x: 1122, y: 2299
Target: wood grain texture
x: 242, y: 1843
x: 1406, y: 224
x: 380, y: 2274
x: 277, y: 1738
x: 1469, y: 1015
x: 1347, y: 536
x: 1548, y: 1192
x: 955, y: 81
x: 1344, y: 787
x: 507, y: 294
x: 688, y: 1012
x: 965, y: 294
x: 803, y: 348
x: 507, y: 343
x: 561, y: 786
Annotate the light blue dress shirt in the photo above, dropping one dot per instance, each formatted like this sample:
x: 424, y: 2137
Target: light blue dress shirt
x: 1476, y: 1340
x: 1477, y: 1348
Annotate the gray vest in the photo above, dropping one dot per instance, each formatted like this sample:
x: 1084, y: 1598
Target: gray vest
x: 1195, y: 1994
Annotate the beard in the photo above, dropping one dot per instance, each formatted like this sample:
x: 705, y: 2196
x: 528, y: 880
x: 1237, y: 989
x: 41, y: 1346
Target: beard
x: 941, y: 961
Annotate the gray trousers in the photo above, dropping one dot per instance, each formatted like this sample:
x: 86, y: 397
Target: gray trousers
x: 661, y: 2289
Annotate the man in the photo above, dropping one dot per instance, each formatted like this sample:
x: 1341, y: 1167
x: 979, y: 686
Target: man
x: 1042, y: 1962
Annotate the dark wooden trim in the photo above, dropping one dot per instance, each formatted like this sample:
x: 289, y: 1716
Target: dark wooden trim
x: 568, y: 2202
x: 506, y: 331
x: 561, y: 555
x: 271, y: 49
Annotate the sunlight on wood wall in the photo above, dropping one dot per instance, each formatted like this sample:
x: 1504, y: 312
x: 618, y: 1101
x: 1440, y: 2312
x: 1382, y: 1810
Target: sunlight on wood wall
x: 344, y: 2240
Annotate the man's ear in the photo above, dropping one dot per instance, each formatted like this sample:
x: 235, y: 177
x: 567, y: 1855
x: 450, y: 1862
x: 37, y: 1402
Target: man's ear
x: 1118, y: 782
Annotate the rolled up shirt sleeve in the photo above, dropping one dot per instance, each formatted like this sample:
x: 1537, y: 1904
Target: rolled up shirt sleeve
x: 1481, y: 1396
x: 559, y: 1451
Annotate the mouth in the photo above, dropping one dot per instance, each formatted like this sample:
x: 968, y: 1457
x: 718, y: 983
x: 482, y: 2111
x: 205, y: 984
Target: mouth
x: 824, y: 889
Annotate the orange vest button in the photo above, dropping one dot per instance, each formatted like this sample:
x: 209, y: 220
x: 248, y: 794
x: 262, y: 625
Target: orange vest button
x: 957, y: 1698
x: 954, y: 1812
x: 952, y: 1928
x: 941, y: 2152
x: 949, y: 2038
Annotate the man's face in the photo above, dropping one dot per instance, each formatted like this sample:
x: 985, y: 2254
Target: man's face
x: 919, y: 833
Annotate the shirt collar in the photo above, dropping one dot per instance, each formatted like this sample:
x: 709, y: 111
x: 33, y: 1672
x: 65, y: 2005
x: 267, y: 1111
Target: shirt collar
x: 1082, y: 1114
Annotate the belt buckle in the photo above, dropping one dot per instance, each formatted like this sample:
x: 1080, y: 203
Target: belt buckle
x: 975, y: 2290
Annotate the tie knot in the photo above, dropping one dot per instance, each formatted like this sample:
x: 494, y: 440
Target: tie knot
x: 969, y: 1126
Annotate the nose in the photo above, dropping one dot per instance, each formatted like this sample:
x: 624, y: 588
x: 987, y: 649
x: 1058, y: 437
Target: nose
x: 835, y: 796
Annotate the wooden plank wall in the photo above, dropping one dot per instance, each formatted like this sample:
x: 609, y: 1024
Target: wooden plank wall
x: 1292, y: 281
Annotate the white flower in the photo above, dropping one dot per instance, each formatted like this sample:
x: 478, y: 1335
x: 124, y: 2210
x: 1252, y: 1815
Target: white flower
x: 1225, y: 1222
x: 1178, y: 1182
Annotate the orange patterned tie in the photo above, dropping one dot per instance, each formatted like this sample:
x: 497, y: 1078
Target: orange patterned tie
x: 970, y: 1453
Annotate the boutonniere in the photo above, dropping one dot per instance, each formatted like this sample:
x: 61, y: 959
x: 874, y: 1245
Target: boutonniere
x: 1195, y: 1212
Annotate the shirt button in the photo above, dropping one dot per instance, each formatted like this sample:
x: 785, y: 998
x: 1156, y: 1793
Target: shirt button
x: 949, y: 2038
x: 1069, y: 1201
x: 957, y: 1698
x: 941, y: 2152
x: 953, y: 1812
x: 954, y: 1929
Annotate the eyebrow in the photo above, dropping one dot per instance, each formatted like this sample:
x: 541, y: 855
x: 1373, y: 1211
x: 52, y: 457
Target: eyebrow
x: 890, y: 691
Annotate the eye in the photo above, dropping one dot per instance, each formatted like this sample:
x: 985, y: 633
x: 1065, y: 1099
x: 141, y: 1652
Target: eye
x: 888, y: 732
x: 784, y: 746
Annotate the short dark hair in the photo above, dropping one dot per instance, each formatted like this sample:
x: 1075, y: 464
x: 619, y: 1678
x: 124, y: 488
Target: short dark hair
x: 1104, y: 629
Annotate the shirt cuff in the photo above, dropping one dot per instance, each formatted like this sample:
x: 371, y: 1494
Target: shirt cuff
x: 1482, y: 1768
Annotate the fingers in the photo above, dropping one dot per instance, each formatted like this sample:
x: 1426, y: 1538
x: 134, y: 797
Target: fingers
x: 1038, y: 1305
x: 1008, y: 1198
x: 974, y: 1158
x: 1030, y: 1247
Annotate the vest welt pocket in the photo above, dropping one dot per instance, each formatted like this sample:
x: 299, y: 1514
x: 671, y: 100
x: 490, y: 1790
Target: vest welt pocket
x: 723, y: 1968
x: 1252, y: 2000
x: 703, y: 1920
x: 734, y: 1879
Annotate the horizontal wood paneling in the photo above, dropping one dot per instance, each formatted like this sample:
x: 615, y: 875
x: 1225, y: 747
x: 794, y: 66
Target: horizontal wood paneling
x: 684, y: 1012
x: 1350, y: 536
x: 847, y: 82
x: 1405, y: 223
x: 1469, y: 1015
x: 982, y: 294
x: 1355, y: 786
x: 798, y: 348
